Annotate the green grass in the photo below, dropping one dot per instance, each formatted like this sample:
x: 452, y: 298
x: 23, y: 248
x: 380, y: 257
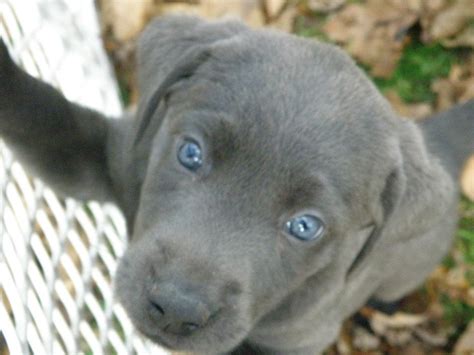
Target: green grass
x: 457, y: 312
x: 465, y: 233
x: 418, y: 67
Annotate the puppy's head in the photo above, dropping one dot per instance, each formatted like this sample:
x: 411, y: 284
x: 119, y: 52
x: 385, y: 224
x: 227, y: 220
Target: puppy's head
x: 258, y: 156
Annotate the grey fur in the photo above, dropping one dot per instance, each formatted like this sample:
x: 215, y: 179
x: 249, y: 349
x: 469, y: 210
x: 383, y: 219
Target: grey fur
x: 287, y: 125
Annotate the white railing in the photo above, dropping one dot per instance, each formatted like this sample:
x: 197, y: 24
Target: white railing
x: 58, y: 257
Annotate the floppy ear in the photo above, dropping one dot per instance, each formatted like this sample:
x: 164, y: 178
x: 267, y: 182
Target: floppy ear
x: 171, y: 49
x: 63, y: 143
x: 168, y: 40
x: 387, y: 202
x: 416, y: 194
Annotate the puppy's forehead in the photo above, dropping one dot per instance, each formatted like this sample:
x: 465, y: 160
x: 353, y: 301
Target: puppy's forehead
x: 293, y: 97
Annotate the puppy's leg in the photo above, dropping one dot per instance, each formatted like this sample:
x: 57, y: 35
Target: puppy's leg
x: 63, y: 143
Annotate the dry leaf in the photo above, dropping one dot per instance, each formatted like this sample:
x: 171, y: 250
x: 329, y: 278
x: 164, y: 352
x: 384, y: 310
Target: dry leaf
x: 256, y: 13
x: 126, y: 18
x: 456, y: 278
x: 279, y: 14
x: 457, y: 87
x: 415, y: 111
x: 398, y: 337
x: 374, y: 32
x: 246, y: 10
x: 380, y: 322
x: 467, y: 179
x: 364, y: 340
x: 450, y: 20
x: 414, y: 349
x: 465, y: 344
x: 464, y: 38
x: 325, y: 6
x: 428, y: 337
x: 343, y: 347
x: 273, y: 7
x: 470, y: 297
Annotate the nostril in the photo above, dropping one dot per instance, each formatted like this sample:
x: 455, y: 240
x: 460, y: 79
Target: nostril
x: 189, y: 327
x: 157, y: 307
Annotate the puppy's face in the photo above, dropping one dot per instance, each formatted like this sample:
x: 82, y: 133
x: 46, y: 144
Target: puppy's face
x: 254, y: 169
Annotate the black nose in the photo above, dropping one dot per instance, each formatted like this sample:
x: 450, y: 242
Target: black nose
x: 178, y: 312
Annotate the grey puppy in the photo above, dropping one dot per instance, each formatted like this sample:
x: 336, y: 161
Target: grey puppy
x: 269, y: 189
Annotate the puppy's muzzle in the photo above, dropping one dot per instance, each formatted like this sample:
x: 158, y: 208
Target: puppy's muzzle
x: 178, y: 311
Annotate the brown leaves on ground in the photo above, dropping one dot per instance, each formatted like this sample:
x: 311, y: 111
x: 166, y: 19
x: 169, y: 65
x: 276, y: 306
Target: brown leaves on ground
x: 401, y: 333
x: 375, y: 31
x: 448, y: 21
x: 465, y: 344
x: 457, y: 87
x: 325, y: 6
x: 123, y: 20
x: 415, y: 111
x: 127, y: 18
x: 453, y: 282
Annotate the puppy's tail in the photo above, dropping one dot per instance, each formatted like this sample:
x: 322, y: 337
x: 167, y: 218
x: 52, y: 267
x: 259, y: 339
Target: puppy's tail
x: 450, y: 136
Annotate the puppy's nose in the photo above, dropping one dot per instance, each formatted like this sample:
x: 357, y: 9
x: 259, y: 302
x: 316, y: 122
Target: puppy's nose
x: 178, y: 312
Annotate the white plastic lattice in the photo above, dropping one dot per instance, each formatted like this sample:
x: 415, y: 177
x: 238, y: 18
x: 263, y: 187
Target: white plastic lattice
x: 57, y: 258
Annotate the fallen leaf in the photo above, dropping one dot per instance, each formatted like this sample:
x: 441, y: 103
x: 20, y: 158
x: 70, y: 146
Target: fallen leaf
x: 380, y: 322
x: 465, y: 344
x: 246, y: 10
x: 398, y: 337
x: 374, y: 32
x: 467, y: 180
x: 279, y: 14
x: 325, y: 6
x: 256, y: 13
x: 465, y: 38
x: 364, y: 340
x: 343, y: 347
x: 470, y: 297
x: 457, y: 87
x: 456, y: 278
x: 126, y: 18
x: 415, y: 111
x: 450, y: 20
x: 428, y: 337
x: 414, y: 349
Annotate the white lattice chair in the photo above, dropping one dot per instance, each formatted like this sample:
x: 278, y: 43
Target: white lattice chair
x: 58, y: 257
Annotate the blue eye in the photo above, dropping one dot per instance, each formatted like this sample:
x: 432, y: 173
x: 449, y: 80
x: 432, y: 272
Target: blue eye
x: 305, y: 227
x: 190, y: 155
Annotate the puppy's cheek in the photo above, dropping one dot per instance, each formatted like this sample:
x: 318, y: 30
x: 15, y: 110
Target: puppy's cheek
x: 130, y: 291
